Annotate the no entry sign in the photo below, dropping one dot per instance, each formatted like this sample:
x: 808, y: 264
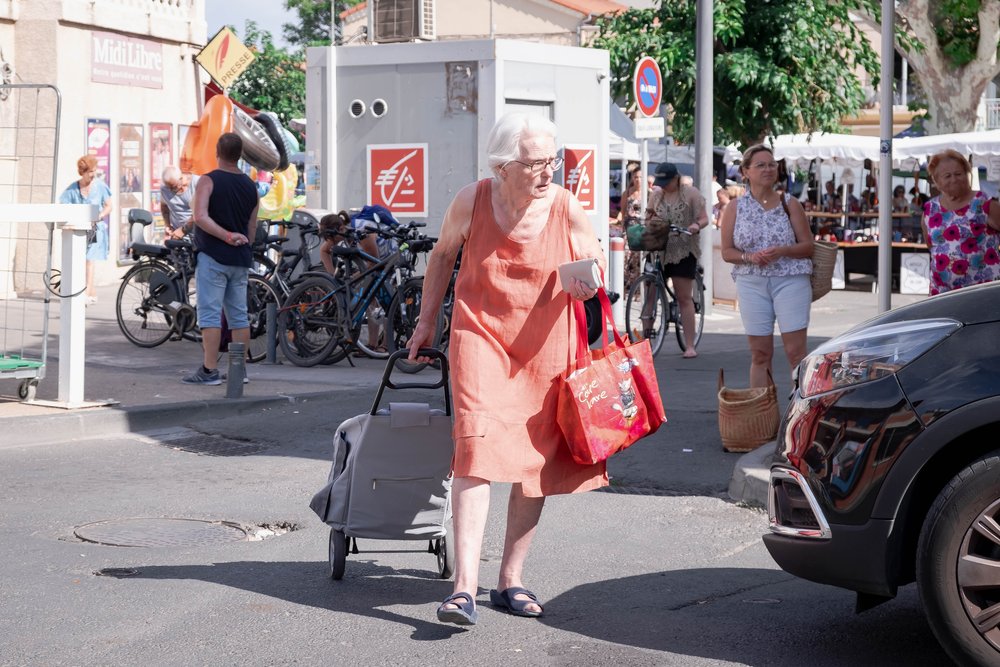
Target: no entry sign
x: 647, y: 86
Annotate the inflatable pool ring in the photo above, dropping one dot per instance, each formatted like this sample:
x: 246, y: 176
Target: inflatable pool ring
x: 258, y: 149
x: 291, y: 143
x: 269, y: 122
x: 278, y: 203
x: 198, y: 154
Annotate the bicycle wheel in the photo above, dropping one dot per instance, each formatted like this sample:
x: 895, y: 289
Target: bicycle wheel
x: 402, y: 320
x: 699, y: 313
x: 309, y: 322
x: 260, y: 293
x: 140, y: 310
x: 647, y: 312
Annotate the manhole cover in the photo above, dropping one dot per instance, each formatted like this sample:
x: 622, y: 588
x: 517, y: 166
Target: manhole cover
x: 214, y: 445
x: 160, y: 532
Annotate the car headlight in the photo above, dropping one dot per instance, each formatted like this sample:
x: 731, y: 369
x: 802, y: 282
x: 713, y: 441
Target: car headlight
x: 869, y: 354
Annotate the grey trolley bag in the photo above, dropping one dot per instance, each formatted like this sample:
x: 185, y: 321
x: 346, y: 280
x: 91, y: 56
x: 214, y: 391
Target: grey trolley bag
x: 391, y: 474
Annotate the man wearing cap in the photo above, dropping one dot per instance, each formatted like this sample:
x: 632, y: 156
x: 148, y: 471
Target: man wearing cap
x: 684, y: 207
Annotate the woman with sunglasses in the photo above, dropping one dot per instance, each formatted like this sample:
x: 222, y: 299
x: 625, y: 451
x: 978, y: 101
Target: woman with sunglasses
x: 766, y: 235
x: 510, y: 342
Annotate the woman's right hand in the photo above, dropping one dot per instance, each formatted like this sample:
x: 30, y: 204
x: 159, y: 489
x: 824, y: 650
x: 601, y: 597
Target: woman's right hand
x: 423, y: 336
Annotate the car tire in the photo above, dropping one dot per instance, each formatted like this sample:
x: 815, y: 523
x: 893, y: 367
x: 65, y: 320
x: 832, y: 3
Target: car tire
x: 959, y: 543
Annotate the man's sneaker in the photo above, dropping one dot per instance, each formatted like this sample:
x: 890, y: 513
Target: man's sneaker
x: 200, y: 376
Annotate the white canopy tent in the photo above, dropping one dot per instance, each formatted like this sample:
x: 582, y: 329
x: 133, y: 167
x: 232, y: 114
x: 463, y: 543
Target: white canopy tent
x: 914, y: 151
x: 845, y: 150
x: 849, y: 150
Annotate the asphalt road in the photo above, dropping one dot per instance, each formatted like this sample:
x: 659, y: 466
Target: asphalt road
x: 662, y: 572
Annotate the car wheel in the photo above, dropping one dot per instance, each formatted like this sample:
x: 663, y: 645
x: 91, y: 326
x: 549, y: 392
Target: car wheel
x: 958, y: 564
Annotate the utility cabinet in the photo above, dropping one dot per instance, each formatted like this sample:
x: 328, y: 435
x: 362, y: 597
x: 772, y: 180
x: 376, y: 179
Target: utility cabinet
x: 405, y: 125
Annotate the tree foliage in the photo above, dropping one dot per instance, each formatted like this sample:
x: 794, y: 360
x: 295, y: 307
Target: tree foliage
x: 315, y: 20
x: 958, y: 55
x: 276, y: 79
x: 780, y: 66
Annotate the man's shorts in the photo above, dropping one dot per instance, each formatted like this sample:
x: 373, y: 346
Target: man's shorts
x: 787, y: 299
x: 221, y: 287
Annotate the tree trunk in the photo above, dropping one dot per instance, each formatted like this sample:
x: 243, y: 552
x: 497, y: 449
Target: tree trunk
x: 953, y: 93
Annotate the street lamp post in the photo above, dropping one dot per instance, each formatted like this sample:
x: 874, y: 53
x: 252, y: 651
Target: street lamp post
x: 703, y: 143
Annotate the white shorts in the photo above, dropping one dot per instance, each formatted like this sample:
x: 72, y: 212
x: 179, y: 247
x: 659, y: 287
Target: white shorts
x: 764, y: 299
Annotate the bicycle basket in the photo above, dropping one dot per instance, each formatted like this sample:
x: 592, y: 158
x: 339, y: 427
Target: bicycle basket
x: 652, y: 235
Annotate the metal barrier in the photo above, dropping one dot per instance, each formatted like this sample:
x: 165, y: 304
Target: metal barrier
x: 29, y: 148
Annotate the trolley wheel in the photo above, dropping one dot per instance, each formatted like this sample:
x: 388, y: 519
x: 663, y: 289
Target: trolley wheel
x: 26, y: 390
x: 337, y: 554
x: 445, y: 557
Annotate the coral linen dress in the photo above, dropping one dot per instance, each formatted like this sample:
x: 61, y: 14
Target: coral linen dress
x: 510, y: 342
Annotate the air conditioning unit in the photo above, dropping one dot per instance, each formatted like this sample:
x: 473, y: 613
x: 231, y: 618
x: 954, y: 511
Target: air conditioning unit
x: 403, y: 20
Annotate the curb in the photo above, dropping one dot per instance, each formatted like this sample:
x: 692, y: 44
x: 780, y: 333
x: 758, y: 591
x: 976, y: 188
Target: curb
x: 113, y: 421
x: 751, y: 477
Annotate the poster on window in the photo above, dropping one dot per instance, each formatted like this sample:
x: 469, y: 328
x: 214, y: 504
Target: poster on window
x: 161, y: 156
x: 130, y: 169
x: 99, y: 145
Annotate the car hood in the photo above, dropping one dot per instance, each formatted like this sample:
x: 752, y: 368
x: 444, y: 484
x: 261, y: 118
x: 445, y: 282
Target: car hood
x: 970, y: 305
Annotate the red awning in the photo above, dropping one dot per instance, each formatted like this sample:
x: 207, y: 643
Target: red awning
x: 212, y: 89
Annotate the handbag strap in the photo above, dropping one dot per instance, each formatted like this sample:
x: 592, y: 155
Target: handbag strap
x: 722, y: 379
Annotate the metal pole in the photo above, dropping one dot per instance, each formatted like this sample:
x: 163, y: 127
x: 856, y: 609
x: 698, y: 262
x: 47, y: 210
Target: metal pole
x: 885, y: 160
x: 643, y: 167
x: 703, y: 144
x: 272, y: 332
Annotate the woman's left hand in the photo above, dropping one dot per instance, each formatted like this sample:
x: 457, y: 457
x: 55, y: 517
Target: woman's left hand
x: 694, y: 228
x: 580, y: 290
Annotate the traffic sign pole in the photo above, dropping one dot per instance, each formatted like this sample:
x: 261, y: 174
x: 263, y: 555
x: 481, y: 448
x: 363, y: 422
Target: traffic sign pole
x: 647, y: 88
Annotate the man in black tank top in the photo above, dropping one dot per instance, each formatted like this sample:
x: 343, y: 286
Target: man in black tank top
x: 225, y: 213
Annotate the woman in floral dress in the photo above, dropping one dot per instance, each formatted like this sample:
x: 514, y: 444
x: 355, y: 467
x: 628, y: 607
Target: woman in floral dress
x: 962, y: 227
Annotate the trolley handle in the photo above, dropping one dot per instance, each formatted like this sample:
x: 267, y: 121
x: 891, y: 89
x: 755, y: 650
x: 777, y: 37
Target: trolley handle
x: 390, y: 363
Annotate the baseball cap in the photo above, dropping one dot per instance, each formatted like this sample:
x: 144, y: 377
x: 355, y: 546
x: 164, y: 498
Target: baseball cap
x: 665, y: 172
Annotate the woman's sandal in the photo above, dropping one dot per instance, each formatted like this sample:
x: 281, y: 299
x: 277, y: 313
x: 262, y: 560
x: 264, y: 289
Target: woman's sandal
x: 506, y: 601
x: 464, y: 613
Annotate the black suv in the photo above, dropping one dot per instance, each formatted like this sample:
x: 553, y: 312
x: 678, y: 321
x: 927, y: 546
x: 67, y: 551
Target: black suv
x: 887, y: 469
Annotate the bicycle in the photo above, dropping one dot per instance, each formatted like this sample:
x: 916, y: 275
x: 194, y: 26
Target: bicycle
x: 326, y: 315
x: 155, y: 300
x: 651, y: 305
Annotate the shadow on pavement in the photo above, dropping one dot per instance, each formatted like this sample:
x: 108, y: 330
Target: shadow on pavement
x: 730, y: 614
x: 366, y: 590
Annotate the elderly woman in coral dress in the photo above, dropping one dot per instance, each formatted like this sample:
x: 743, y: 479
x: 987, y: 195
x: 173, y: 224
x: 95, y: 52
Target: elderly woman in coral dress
x: 510, y: 343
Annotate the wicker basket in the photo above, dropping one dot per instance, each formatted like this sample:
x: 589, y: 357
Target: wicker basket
x: 824, y: 259
x: 748, y: 418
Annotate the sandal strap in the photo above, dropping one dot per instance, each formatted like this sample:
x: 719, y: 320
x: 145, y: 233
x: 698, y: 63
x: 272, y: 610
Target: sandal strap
x: 457, y: 596
x: 517, y: 590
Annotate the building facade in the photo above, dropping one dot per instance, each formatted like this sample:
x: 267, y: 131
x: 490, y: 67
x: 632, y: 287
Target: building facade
x: 129, y: 89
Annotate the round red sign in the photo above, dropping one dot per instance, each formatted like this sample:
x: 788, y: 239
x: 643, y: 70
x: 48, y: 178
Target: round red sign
x: 647, y: 86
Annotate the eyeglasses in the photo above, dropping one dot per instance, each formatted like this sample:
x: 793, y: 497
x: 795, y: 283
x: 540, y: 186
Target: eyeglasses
x: 765, y: 165
x: 538, y: 166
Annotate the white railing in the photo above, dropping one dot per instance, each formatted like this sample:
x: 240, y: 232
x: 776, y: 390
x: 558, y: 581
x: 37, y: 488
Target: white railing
x: 991, y: 113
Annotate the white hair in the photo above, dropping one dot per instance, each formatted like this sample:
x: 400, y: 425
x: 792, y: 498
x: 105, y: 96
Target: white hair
x: 504, y: 142
x: 171, y: 175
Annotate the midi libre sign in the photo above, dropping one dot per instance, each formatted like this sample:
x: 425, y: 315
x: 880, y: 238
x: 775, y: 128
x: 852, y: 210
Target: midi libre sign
x: 225, y: 57
x: 125, y: 61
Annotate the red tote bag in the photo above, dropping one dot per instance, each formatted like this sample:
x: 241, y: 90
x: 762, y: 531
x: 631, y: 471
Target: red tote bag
x: 609, y: 398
